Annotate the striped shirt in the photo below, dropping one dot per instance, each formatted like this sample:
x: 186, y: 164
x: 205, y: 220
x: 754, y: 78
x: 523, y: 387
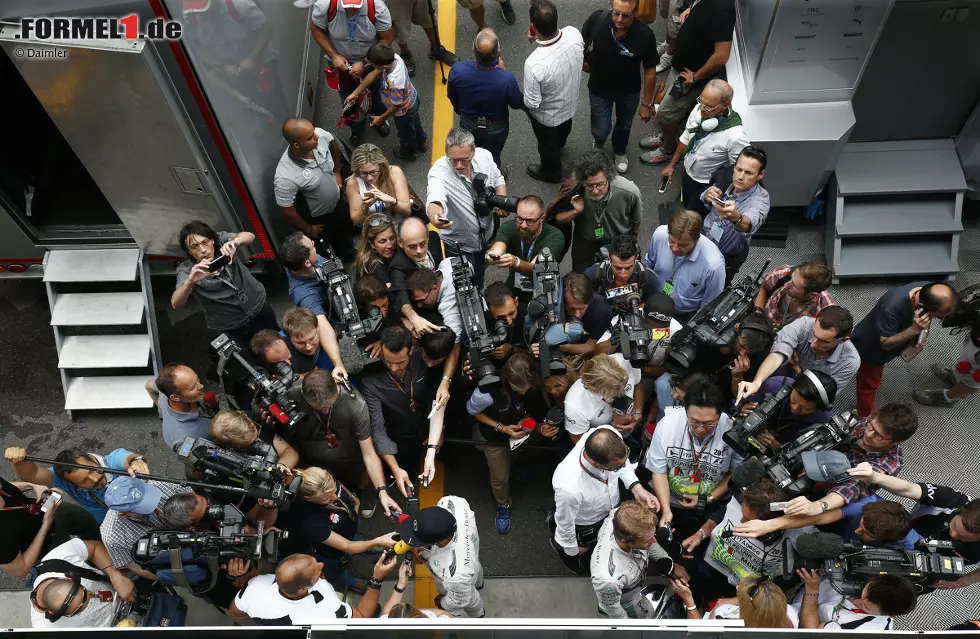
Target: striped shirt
x: 553, y: 76
x: 397, y: 88
x: 121, y: 531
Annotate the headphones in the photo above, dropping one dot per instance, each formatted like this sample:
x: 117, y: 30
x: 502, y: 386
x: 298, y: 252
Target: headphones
x: 710, y: 124
x: 819, y: 386
x: 76, y: 588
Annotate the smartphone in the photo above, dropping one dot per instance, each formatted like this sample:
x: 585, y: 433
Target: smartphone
x: 663, y: 185
x: 778, y: 506
x: 218, y: 263
x: 493, y: 256
x: 442, y: 220
x: 50, y: 502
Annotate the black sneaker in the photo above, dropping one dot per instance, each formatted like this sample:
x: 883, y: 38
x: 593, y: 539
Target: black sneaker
x: 384, y: 129
x: 356, y: 139
x: 409, y: 63
x: 369, y: 502
x: 448, y: 57
x: 508, y: 9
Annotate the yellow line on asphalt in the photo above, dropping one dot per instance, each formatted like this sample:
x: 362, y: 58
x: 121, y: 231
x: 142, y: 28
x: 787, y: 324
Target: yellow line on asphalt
x: 425, y: 585
x: 442, y: 108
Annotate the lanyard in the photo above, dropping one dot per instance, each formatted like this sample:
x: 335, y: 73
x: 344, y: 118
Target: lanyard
x: 622, y: 47
x: 696, y: 454
x: 604, y: 480
x: 676, y: 265
x: 411, y: 389
x: 351, y: 26
x: 526, y: 254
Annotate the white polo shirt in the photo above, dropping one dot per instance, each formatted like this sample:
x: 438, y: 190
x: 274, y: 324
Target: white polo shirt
x: 713, y: 151
x: 261, y: 600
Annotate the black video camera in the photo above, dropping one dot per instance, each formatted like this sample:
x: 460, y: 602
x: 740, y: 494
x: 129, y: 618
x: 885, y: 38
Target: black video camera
x: 636, y: 341
x: 850, y: 564
x: 472, y: 309
x: 714, y: 325
x: 205, y: 461
x: 967, y: 312
x: 544, y: 315
x: 343, y: 308
x: 271, y: 393
x: 487, y: 199
x: 742, y: 436
x: 785, y: 465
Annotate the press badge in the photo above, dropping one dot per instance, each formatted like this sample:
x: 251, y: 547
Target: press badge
x: 657, y: 334
x: 600, y: 233
x: 717, y: 230
x: 523, y: 283
x: 668, y: 287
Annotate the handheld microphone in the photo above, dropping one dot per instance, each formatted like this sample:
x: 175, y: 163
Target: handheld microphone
x: 664, y: 566
x: 749, y: 473
x: 209, y: 403
x: 666, y: 540
x: 819, y: 545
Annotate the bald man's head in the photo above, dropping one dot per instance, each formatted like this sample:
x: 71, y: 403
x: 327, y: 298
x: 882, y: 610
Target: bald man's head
x: 55, y: 593
x: 486, y: 48
x: 938, y: 299
x: 297, y: 573
x: 413, y: 238
x: 722, y: 89
x: 300, y: 134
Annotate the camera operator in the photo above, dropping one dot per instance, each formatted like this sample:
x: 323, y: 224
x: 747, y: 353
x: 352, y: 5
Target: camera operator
x: 135, y: 509
x: 877, y: 440
x: 626, y: 543
x: 235, y: 430
x: 816, y: 344
x: 399, y: 398
x: 434, y: 291
x: 611, y: 206
x: 326, y: 517
x: 298, y: 254
x: 302, y: 331
x: 451, y: 198
x: 518, y: 243
x: 27, y: 534
x: 500, y: 414
x: 591, y: 310
x: 883, y: 597
x: 689, y: 459
x: 590, y: 400
x: 504, y: 306
x: 298, y: 595
x: 586, y: 485
x: 942, y: 513
x: 178, y: 393
x: 233, y: 301
x: 791, y: 292
x: 371, y: 294
x: 738, y: 557
x: 809, y: 403
x: 73, y: 593
x: 86, y: 487
x: 337, y: 418
x: 622, y: 268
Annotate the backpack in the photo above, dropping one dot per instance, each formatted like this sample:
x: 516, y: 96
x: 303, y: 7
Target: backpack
x: 332, y: 11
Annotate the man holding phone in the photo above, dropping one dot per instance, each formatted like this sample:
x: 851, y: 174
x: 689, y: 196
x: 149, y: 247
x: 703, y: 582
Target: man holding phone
x: 518, y: 243
x: 896, y: 326
x: 737, y: 206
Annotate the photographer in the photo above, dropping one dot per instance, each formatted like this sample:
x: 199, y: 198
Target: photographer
x: 883, y: 597
x: 504, y: 306
x: 337, y: 418
x: 298, y: 595
x: 611, y: 206
x: 500, y: 414
x: 806, y: 405
x: 626, y: 543
x: 878, y: 440
x: 326, y: 517
x: 816, y: 344
x: 233, y: 429
x: 72, y: 594
x: 435, y: 291
x: 518, y: 243
x: 791, y: 292
x: 589, y: 402
x: 233, y: 301
x: 399, y: 398
x: 451, y: 198
x: 86, y: 487
x: 371, y: 293
x: 178, y: 392
x: 299, y: 256
x: 27, y: 534
x: 943, y: 513
x: 592, y: 311
x: 622, y: 269
x: 689, y: 459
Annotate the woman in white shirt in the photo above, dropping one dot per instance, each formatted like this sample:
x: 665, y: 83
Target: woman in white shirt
x: 759, y: 602
x: 589, y: 401
x: 376, y: 186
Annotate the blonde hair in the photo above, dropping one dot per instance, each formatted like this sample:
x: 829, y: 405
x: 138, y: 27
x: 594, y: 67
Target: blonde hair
x: 633, y: 521
x: 371, y: 154
x: 604, y: 376
x: 685, y: 223
x: 316, y: 481
x: 296, y: 320
x: 404, y: 610
x: 234, y: 429
x: 366, y: 253
x: 761, y: 603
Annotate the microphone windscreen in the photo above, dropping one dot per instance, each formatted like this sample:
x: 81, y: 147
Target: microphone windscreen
x: 210, y: 400
x: 666, y: 541
x: 748, y: 473
x: 819, y: 545
x: 664, y: 566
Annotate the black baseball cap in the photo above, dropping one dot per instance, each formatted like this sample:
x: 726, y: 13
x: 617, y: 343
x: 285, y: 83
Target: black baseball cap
x: 658, y: 309
x: 427, y: 526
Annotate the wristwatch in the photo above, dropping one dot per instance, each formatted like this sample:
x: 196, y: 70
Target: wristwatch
x: 690, y: 608
x: 136, y: 459
x: 650, y: 106
x: 824, y: 506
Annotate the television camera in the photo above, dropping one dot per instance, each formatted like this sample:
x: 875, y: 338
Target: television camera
x: 544, y: 316
x: 714, y: 325
x: 742, y: 436
x: 205, y: 462
x: 472, y: 309
x: 850, y: 564
x: 343, y: 308
x: 271, y: 393
x: 636, y: 340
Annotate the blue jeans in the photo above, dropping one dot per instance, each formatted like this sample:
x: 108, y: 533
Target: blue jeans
x: 602, y: 119
x: 665, y: 394
x: 411, y: 135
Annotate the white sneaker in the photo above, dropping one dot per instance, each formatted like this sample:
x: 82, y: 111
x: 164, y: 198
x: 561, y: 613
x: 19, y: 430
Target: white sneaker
x: 662, y: 48
x: 665, y: 61
x: 622, y: 163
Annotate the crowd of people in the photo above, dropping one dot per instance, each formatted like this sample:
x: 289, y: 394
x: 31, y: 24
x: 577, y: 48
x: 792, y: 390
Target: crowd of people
x: 639, y: 453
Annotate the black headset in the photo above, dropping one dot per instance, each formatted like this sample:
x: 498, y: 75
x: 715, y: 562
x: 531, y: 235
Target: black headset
x: 76, y: 588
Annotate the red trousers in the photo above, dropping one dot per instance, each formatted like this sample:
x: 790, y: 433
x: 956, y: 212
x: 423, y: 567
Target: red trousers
x: 868, y: 381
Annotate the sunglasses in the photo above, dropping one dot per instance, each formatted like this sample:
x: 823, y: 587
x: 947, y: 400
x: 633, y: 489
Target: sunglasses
x: 378, y: 220
x: 623, y: 14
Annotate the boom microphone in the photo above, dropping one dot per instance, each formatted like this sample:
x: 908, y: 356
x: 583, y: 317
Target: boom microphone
x: 819, y: 545
x: 749, y: 473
